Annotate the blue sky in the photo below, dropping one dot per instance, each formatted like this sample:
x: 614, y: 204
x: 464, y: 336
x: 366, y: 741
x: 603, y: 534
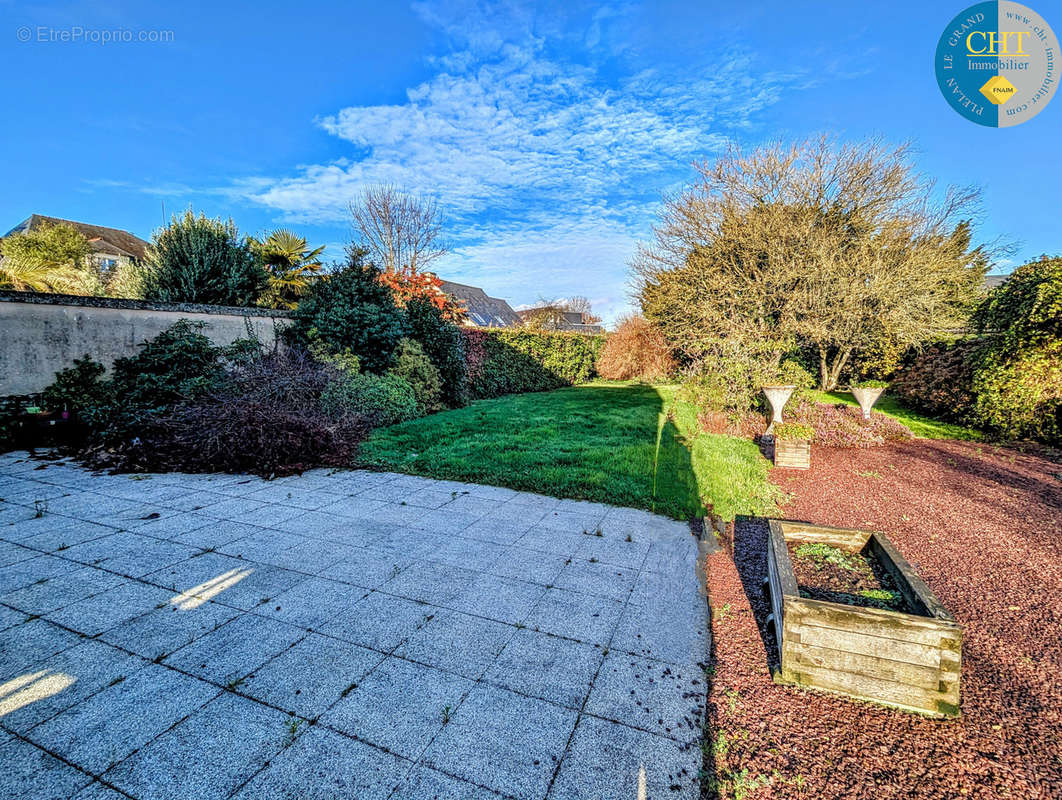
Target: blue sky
x: 548, y: 132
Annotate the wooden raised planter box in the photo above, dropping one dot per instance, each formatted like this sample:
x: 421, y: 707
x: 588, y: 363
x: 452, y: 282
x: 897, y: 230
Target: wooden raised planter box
x: 792, y: 454
x: 909, y: 661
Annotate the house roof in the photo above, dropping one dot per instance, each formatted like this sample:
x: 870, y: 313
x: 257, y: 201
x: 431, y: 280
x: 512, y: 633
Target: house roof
x: 109, y: 241
x: 992, y: 281
x: 569, y: 320
x: 481, y: 308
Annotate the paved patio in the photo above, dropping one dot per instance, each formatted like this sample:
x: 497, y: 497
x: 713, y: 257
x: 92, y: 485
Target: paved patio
x: 340, y: 634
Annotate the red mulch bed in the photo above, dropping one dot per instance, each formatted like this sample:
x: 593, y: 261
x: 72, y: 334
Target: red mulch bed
x: 983, y: 526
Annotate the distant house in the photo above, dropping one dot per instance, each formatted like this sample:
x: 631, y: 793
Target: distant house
x: 481, y: 309
x: 993, y: 281
x: 110, y: 246
x: 562, y: 320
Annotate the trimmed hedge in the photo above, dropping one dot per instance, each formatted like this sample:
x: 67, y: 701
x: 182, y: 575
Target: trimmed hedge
x: 938, y: 380
x: 510, y: 361
x: 975, y: 383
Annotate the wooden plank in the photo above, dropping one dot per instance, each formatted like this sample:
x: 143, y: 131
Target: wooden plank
x: 786, y: 577
x: 893, y: 649
x: 803, y: 654
x: 883, y: 547
x: 881, y: 691
x: 874, y: 621
x: 848, y: 539
x: 914, y: 601
x: 775, y: 588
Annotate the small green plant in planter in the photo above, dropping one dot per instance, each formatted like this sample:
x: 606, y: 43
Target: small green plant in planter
x: 867, y: 393
x: 792, y: 445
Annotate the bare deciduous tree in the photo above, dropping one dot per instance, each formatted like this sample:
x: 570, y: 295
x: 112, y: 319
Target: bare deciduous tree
x: 811, y: 243
x: 401, y: 231
x: 548, y: 315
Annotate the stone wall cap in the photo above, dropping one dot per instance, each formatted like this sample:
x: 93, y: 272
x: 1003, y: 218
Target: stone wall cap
x: 48, y: 298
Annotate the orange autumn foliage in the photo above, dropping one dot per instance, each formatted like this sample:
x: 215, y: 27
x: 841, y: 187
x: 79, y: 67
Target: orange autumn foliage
x: 637, y: 350
x: 407, y: 285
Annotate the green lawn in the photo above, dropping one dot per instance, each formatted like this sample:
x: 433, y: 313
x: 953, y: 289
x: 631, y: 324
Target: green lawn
x: 921, y: 426
x: 621, y: 443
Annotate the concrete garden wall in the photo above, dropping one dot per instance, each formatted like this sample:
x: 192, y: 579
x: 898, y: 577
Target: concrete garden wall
x: 41, y: 334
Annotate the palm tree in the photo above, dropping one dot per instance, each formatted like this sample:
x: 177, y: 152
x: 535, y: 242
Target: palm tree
x: 51, y: 258
x: 291, y: 265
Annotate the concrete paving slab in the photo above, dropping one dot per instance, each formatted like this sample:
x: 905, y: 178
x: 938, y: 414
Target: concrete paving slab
x: 314, y: 603
x: 567, y: 543
x: 49, y: 594
x: 311, y: 676
x: 206, y: 756
x: 314, y: 524
x: 142, y: 560
x: 457, y: 643
x: 529, y: 565
x: 615, y: 549
x: 425, y: 782
x: 426, y: 582
x: 11, y: 553
x: 96, y: 550
x: 32, y: 570
x: 399, y: 706
x: 100, y: 612
x: 323, y: 765
x: 30, y: 772
x: 214, y: 534
x: 9, y: 617
x: 547, y: 667
x: 22, y: 646
x: 593, y: 577
x: 502, y: 527
x: 502, y: 599
x: 354, y: 508
x: 61, y: 681
x: 446, y: 521
x: 610, y: 761
x: 575, y: 520
x: 675, y: 631
x: 661, y: 698
x: 162, y: 630
x: 263, y: 546
x: 110, y: 725
x: 98, y: 791
x: 230, y: 652
x: 583, y: 617
x: 226, y: 580
x: 418, y: 605
x: 368, y: 568
x: 66, y: 536
x: 312, y: 555
x: 507, y: 742
x: 380, y: 621
x: 457, y: 551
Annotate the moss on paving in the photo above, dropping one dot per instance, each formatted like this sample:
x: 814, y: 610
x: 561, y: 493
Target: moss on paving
x: 626, y: 444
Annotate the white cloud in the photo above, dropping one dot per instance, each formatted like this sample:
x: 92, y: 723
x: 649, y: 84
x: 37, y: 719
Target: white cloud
x: 547, y: 165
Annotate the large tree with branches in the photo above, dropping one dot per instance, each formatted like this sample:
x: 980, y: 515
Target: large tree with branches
x: 812, y: 243
x: 401, y: 231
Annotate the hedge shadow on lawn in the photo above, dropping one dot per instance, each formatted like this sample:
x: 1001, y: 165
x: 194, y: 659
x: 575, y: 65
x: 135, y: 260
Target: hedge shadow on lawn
x: 608, y: 443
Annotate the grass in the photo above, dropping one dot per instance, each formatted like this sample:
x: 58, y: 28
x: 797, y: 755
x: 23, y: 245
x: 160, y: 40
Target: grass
x: 622, y: 443
x: 921, y: 426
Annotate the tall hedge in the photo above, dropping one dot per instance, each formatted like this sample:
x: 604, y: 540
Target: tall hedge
x: 509, y: 361
x: 1008, y: 380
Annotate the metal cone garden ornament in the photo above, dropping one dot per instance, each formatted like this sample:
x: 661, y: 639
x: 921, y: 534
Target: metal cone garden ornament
x: 777, y: 396
x: 867, y: 396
